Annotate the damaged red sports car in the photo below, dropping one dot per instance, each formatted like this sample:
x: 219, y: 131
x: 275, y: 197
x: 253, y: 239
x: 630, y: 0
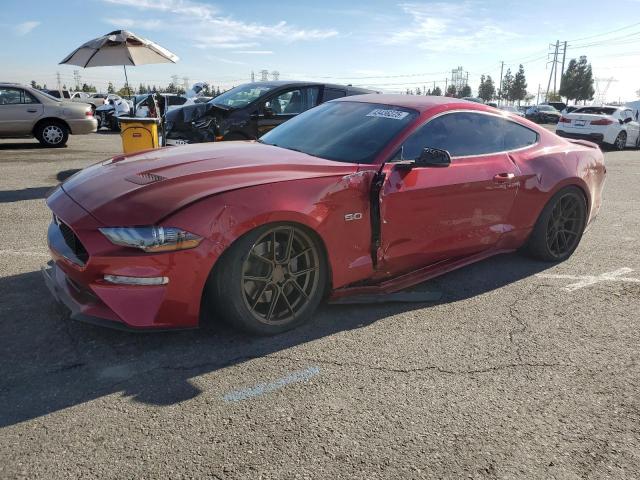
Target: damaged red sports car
x: 362, y: 195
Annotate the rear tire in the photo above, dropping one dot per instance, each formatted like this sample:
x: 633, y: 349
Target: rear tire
x: 560, y: 226
x: 270, y: 280
x: 52, y: 134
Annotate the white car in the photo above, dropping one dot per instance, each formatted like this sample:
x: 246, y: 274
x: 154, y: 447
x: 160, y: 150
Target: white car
x: 510, y: 109
x: 608, y: 124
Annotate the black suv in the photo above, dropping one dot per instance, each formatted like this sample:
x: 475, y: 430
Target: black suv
x: 249, y: 111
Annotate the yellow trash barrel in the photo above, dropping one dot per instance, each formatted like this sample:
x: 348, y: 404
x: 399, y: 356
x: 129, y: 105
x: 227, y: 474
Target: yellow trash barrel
x: 138, y: 134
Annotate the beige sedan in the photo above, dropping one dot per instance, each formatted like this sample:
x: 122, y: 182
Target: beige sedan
x: 27, y: 112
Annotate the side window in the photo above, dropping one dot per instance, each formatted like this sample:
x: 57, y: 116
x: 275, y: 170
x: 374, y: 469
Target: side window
x: 65, y: 94
x: 466, y: 133
x: 15, y: 96
x: 294, y: 101
x: 331, y: 93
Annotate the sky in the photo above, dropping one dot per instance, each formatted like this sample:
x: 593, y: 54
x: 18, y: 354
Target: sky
x: 385, y: 45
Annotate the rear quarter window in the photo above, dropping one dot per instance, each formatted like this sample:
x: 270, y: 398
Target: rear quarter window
x: 333, y: 93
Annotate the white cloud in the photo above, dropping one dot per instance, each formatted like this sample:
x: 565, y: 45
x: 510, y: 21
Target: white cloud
x: 131, y: 23
x: 25, y: 27
x: 254, y: 52
x: 442, y: 27
x: 225, y: 60
x: 198, y: 20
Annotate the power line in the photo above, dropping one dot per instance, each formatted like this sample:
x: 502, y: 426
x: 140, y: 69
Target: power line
x: 605, y: 33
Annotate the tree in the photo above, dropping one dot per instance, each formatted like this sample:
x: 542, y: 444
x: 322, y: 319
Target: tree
x: 507, y: 82
x: 638, y: 93
x: 451, y: 91
x: 171, y: 88
x: 35, y: 85
x: 585, y: 90
x: 568, y: 81
x: 437, y: 92
x: 465, y: 92
x: 88, y: 88
x: 487, y: 89
x: 110, y: 88
x: 142, y: 89
x: 418, y: 91
x: 518, y: 89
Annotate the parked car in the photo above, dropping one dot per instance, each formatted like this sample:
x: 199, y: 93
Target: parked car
x: 543, y: 114
x: 609, y: 125
x: 559, y: 106
x: 28, y: 112
x: 249, y: 111
x: 511, y: 109
x: 362, y: 195
x: 60, y: 94
x: 473, y: 99
x: 569, y: 109
x: 114, y: 107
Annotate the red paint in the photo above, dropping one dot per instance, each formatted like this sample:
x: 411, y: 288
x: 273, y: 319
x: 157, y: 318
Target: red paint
x: 433, y: 219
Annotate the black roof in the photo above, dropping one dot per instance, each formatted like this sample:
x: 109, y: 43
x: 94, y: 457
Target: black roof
x: 294, y: 83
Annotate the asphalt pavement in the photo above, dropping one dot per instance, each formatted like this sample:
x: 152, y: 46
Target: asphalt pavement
x: 521, y: 370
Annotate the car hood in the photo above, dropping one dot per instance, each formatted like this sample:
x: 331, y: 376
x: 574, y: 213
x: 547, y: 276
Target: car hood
x: 144, y: 188
x: 189, y: 113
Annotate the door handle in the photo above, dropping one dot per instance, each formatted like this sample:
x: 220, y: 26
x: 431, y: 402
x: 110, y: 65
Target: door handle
x: 504, y: 177
x: 31, y: 110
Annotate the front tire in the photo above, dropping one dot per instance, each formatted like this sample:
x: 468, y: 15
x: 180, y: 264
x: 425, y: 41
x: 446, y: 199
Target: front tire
x: 52, y: 134
x: 270, y: 280
x: 621, y: 141
x: 560, y: 226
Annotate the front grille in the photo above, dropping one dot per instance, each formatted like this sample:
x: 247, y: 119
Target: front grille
x: 73, y: 242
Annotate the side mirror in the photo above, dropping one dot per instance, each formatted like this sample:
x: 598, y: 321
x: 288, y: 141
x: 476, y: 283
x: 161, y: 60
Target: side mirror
x: 628, y: 119
x: 433, y: 157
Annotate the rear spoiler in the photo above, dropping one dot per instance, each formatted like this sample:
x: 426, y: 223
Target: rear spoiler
x: 584, y: 143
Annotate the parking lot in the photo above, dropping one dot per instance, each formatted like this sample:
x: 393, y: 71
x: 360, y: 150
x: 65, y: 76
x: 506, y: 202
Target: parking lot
x: 521, y: 370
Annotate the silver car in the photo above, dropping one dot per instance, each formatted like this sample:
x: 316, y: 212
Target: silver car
x: 27, y: 112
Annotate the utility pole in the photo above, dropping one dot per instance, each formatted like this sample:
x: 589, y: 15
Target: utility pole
x: 253, y: 76
x: 500, y: 88
x: 553, y: 67
x: 564, y: 55
x: 185, y: 83
x: 58, y: 79
x: 76, y: 77
x: 538, y: 100
x: 555, y: 71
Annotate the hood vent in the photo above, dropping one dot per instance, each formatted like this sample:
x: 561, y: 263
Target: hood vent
x: 144, y: 178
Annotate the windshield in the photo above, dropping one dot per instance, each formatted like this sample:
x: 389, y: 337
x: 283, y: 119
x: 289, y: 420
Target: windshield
x: 351, y: 132
x: 241, y: 96
x: 546, y: 108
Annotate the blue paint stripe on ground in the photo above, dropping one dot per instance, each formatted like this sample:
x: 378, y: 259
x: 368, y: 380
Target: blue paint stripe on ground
x: 262, y: 388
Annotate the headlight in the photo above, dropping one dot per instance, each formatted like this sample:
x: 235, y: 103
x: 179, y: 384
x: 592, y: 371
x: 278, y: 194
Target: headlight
x: 152, y: 239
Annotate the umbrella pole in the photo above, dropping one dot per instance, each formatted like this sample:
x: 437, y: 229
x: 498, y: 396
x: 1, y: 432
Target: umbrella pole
x: 126, y: 79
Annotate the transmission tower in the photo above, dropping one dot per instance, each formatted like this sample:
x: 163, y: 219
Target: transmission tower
x: 264, y: 75
x: 602, y: 87
x: 275, y: 75
x: 459, y: 78
x: 76, y: 77
x: 253, y: 76
x: 185, y: 83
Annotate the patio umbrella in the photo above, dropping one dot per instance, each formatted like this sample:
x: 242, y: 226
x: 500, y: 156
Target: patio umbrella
x: 119, y: 47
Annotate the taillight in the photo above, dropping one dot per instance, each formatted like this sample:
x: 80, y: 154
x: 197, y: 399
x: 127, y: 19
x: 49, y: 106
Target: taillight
x: 89, y: 113
x: 604, y: 121
x: 564, y: 120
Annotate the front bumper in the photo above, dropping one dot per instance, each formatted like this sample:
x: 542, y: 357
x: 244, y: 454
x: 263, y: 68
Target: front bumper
x: 82, y: 257
x: 88, y: 310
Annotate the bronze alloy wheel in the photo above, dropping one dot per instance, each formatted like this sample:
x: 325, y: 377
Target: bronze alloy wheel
x: 280, y: 275
x: 565, y: 225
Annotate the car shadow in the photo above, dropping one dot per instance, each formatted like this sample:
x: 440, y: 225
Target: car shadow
x: 31, y: 193
x: 64, y: 174
x: 22, y: 146
x: 51, y: 362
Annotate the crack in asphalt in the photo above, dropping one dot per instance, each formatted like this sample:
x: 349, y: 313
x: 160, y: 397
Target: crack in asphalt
x: 521, y: 325
x: 425, y: 368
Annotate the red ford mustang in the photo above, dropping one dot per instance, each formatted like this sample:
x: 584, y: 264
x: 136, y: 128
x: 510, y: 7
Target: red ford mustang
x: 362, y: 195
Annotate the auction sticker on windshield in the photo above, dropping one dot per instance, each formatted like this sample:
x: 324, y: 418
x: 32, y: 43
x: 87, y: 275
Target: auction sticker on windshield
x: 394, y: 114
